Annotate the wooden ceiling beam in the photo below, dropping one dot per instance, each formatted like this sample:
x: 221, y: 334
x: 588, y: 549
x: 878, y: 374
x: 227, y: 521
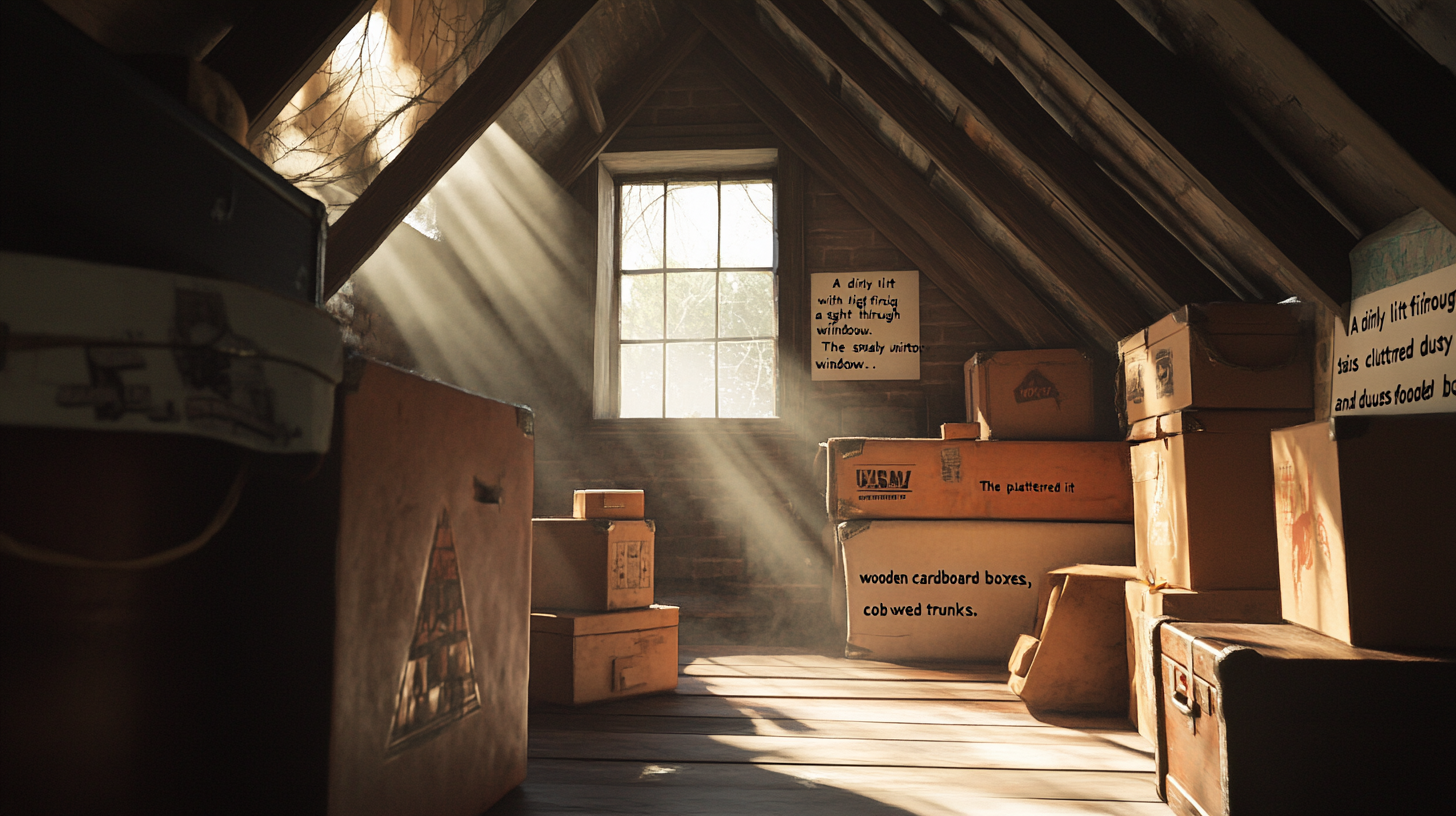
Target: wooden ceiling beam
x: 581, y: 88
x: 978, y: 278
x: 1168, y: 94
x: 622, y: 104
x: 1149, y: 249
x: 273, y: 51
x: 443, y: 139
x: 803, y: 142
x: 1089, y: 288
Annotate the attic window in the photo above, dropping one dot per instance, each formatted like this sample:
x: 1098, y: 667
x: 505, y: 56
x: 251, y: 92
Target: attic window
x: 687, y: 311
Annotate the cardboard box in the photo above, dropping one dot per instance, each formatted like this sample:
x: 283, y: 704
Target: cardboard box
x: 582, y: 657
x: 1364, y: 529
x: 1146, y: 607
x: 960, y: 430
x: 1077, y: 658
x: 959, y: 590
x: 1203, y: 519
x: 355, y: 632
x: 595, y: 565
x: 970, y: 479
x: 1040, y: 394
x: 608, y: 504
x: 1217, y: 355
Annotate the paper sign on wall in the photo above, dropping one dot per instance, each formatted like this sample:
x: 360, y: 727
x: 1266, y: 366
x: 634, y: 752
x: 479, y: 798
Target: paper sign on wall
x: 1394, y: 356
x: 865, y: 325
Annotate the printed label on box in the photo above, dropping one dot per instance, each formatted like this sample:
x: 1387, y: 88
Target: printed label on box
x: 632, y: 565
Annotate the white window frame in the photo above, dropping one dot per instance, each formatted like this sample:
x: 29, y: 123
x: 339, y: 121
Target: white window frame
x: 606, y: 392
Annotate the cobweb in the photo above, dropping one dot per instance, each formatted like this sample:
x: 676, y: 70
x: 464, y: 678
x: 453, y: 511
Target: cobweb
x: 387, y: 76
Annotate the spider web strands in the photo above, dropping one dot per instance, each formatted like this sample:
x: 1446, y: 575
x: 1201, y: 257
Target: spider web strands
x: 384, y: 80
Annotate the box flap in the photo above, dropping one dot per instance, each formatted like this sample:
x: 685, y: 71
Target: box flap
x: 577, y: 623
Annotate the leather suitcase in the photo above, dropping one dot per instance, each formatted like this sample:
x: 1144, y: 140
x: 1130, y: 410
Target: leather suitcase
x: 1279, y: 719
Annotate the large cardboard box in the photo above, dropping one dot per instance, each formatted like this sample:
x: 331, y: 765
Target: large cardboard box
x: 582, y: 657
x: 1146, y: 607
x: 608, y: 504
x: 970, y: 479
x: 355, y: 632
x: 595, y: 565
x: 1202, y: 515
x: 1218, y: 355
x: 1364, y: 529
x: 1040, y: 394
x: 959, y: 590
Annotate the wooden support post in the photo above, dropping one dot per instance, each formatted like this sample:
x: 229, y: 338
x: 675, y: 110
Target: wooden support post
x: 624, y: 101
x: 1150, y: 250
x: 1092, y: 290
x: 980, y: 281
x: 884, y: 215
x: 443, y: 139
x: 272, y: 52
x: 793, y: 274
x: 581, y: 88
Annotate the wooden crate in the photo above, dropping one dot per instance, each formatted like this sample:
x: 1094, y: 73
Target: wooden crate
x: 1277, y: 719
x: 582, y: 657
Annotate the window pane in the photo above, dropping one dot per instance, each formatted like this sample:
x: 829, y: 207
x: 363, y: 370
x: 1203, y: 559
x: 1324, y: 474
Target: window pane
x: 642, y: 380
x: 690, y: 380
x: 641, y: 312
x: 747, y: 223
x: 746, y: 306
x: 692, y: 225
x: 642, y: 226
x: 746, y: 379
x: 691, y: 304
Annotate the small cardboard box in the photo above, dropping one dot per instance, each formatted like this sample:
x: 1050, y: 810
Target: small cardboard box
x: 591, y: 564
x: 1202, y: 516
x: 1146, y: 606
x: 608, y: 504
x: 1363, y: 506
x: 960, y: 430
x: 1218, y: 355
x: 1041, y: 394
x: 583, y: 657
x: 971, y: 479
x: 1076, y: 660
x: 959, y: 590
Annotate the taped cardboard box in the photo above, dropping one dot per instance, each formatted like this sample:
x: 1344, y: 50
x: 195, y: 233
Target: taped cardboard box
x: 1147, y: 607
x: 970, y: 479
x: 592, y: 564
x: 1040, y: 394
x: 1218, y: 355
x: 608, y: 504
x: 1364, y: 529
x: 582, y: 657
x: 1202, y: 516
x: 959, y: 590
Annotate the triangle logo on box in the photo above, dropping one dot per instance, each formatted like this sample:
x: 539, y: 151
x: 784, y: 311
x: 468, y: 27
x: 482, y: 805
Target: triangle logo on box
x: 437, y: 686
x: 1037, y: 387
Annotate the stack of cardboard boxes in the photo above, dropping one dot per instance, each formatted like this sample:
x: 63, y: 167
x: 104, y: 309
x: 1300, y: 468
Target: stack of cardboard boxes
x: 1200, y: 391
x: 944, y: 543
x: 595, y: 632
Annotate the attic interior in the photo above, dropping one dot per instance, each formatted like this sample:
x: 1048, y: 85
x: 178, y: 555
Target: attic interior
x: 344, y: 223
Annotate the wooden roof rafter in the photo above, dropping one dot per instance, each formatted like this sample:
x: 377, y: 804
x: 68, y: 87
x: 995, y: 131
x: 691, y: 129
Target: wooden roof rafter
x: 623, y: 102
x: 896, y: 199
x: 440, y: 142
x: 1090, y: 290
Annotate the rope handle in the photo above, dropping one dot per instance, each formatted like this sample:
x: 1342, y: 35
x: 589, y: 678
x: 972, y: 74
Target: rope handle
x: 44, y: 555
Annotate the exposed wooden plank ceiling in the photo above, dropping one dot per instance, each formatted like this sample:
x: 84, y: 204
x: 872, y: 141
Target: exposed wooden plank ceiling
x: 1064, y: 169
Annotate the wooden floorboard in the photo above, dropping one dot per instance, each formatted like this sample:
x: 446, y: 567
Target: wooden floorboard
x: 765, y: 731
